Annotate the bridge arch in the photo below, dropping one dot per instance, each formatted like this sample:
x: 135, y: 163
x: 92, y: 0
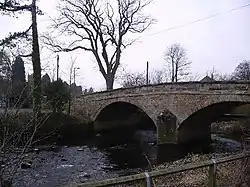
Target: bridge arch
x: 198, y: 125
x: 203, y: 101
x: 121, y: 111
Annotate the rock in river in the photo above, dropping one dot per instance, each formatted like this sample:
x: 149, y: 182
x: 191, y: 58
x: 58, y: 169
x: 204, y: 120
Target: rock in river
x: 26, y: 165
x: 84, y: 174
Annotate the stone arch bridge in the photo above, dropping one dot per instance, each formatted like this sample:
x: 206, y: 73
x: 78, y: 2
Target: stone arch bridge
x: 182, y: 112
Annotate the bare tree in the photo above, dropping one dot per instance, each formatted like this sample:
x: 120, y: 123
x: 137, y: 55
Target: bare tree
x: 100, y: 27
x: 133, y: 79
x: 242, y: 71
x: 177, y: 61
x: 157, y: 77
x: 194, y: 77
x: 215, y: 75
x: 130, y: 79
x: 5, y: 65
x: 225, y: 77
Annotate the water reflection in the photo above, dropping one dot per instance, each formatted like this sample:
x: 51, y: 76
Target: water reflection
x: 129, y: 149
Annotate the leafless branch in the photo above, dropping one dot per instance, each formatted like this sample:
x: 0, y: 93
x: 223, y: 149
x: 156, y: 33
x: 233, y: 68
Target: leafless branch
x: 16, y: 35
x: 100, y: 27
x: 176, y: 59
x: 11, y: 6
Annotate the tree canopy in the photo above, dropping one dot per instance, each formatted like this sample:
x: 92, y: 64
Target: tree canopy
x: 5, y: 66
x: 177, y: 61
x: 102, y: 27
x: 57, y: 95
x: 242, y: 71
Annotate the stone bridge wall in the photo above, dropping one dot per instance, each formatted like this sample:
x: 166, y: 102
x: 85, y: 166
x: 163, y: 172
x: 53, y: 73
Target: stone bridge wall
x: 180, y: 99
x: 185, y: 98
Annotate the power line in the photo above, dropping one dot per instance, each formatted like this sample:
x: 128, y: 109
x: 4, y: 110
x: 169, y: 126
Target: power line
x: 199, y: 20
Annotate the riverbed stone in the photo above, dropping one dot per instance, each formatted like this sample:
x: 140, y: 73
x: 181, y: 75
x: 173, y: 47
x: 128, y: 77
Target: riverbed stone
x: 84, y: 174
x: 107, y: 167
x: 26, y: 165
x: 37, y: 151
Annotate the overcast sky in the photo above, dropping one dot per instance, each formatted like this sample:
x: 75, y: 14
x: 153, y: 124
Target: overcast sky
x: 221, y: 42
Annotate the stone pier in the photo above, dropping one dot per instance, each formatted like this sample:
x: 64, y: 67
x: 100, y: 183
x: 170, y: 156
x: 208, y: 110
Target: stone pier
x: 166, y: 128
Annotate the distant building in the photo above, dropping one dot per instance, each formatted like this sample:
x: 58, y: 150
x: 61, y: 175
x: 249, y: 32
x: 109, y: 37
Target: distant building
x: 207, y: 79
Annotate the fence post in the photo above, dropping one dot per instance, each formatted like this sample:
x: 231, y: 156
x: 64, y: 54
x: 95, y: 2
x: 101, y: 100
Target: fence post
x: 212, y: 174
x: 148, y: 182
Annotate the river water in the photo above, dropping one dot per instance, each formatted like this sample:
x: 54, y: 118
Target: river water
x: 101, y: 157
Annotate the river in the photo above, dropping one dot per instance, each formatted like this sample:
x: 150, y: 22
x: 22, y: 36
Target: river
x: 102, y: 156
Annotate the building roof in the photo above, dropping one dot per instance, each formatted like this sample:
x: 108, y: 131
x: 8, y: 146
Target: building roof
x: 207, y: 79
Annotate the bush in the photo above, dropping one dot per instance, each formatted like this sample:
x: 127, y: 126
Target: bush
x: 57, y: 95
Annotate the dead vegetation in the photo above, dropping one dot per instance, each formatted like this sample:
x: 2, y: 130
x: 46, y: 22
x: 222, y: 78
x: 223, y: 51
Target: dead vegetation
x: 229, y: 174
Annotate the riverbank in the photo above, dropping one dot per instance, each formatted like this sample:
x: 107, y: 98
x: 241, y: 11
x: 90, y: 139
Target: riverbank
x: 54, y: 128
x: 228, y: 174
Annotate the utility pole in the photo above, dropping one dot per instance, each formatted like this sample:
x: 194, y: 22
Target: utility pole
x: 75, y: 75
x: 57, y: 67
x: 147, y: 80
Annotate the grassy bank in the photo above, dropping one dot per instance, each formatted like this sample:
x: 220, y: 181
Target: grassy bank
x: 53, y: 128
x: 228, y: 174
x: 231, y: 127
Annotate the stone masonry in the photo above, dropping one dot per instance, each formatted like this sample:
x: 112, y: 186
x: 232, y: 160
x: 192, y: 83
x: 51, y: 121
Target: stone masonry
x: 181, y: 100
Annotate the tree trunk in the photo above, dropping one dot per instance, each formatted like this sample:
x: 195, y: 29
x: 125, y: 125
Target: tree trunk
x: 36, y: 66
x: 109, y: 81
x: 176, y: 71
x: 173, y: 75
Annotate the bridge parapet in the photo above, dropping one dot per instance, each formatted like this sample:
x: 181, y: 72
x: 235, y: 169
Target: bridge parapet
x: 215, y: 87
